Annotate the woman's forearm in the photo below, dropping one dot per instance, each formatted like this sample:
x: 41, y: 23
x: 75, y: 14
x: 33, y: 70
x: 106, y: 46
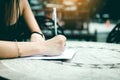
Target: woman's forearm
x: 10, y: 49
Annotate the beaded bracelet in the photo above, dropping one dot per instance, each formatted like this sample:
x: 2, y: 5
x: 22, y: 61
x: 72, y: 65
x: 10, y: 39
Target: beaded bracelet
x: 38, y: 33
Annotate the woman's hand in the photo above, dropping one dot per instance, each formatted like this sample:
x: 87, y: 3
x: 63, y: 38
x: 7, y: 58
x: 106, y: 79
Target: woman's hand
x: 54, y: 46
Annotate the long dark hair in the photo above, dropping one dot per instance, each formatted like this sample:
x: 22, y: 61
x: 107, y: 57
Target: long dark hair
x: 7, y: 11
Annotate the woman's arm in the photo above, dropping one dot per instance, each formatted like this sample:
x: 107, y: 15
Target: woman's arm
x: 30, y: 20
x: 52, y: 46
x: 29, y: 17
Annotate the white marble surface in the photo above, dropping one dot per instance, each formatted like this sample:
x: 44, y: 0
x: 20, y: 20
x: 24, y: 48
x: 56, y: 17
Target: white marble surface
x: 93, y: 61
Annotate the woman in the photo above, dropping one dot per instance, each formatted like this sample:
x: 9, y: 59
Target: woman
x: 11, y: 11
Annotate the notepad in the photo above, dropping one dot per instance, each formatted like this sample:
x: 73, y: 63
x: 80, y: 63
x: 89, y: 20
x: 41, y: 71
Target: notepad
x: 67, y: 54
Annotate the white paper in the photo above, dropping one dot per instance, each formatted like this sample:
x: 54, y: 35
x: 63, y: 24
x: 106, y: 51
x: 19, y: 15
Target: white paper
x: 67, y: 54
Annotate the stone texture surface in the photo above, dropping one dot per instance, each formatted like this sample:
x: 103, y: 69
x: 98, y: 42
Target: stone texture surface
x: 92, y: 61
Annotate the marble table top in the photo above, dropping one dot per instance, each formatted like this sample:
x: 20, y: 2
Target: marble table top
x: 92, y: 61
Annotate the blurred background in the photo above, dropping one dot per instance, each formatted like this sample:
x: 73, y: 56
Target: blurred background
x: 83, y: 20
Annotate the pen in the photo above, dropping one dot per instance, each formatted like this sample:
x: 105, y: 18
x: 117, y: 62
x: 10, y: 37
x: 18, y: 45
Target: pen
x: 55, y: 20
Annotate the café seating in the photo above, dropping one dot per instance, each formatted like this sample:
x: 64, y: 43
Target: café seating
x: 114, y: 35
x: 47, y: 26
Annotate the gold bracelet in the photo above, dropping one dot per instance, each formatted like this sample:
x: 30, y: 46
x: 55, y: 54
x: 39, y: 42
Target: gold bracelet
x: 18, y: 49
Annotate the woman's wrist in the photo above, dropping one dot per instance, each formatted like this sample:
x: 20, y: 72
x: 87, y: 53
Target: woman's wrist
x: 37, y: 37
x: 39, y: 33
